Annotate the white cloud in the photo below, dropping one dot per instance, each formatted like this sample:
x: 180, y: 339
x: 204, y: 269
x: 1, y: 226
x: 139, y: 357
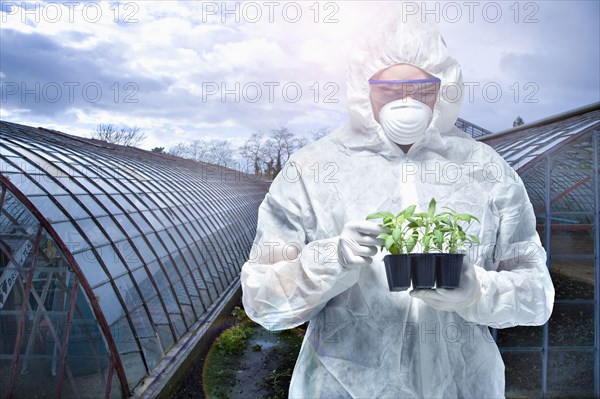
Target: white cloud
x: 172, y: 49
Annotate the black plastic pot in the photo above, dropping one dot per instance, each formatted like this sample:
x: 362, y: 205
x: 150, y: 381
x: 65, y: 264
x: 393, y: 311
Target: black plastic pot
x: 448, y: 270
x: 397, y: 269
x: 423, y: 268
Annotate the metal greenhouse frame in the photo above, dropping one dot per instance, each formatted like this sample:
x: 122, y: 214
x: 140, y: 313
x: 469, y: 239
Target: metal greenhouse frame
x: 557, y: 159
x: 112, y: 259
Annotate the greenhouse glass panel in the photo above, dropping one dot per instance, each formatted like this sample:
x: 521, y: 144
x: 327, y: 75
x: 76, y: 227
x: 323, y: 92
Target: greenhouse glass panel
x: 566, y: 377
x: 113, y: 232
x: 61, y: 345
x: 88, y: 262
x: 29, y: 186
x: 148, y: 280
x: 146, y: 287
x: 72, y: 207
x: 46, y: 205
x: 128, y: 292
x: 90, y: 227
x: 109, y: 302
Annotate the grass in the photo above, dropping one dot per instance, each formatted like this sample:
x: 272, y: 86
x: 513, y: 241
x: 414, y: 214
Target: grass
x: 223, y: 363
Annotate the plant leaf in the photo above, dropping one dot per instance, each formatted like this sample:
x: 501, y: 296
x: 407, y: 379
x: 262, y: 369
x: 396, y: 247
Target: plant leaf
x: 410, y: 243
x: 474, y: 239
x: 431, y: 207
x: 380, y: 215
x: 389, y: 241
x: 383, y: 235
x: 409, y: 211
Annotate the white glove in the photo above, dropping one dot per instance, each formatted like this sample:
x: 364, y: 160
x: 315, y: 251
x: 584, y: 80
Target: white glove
x: 452, y: 300
x: 358, y: 243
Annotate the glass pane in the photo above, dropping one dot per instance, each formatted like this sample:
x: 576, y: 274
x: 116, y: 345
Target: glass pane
x: 90, y: 228
x: 180, y: 291
x: 158, y: 247
x: 74, y: 210
x: 523, y: 374
x: 109, y: 303
x: 188, y: 315
x: 152, y: 350
x: 167, y: 241
x: 570, y: 374
x: 570, y: 278
x: 156, y: 310
x: 141, y: 322
x: 134, y: 367
x: 128, y: 292
x: 165, y: 335
x: 70, y: 185
x: 123, y: 337
x: 141, y: 246
x: 572, y: 325
x: 69, y: 235
x: 144, y: 283
x: 179, y: 325
x: 26, y: 186
x: 126, y: 224
x: 111, y: 260
x: 90, y: 267
x: 48, y: 208
x: 112, y: 230
x: 154, y: 221
x: 127, y: 252
x: 141, y: 223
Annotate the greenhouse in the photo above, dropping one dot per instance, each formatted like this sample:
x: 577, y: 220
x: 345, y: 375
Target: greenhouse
x: 113, y: 261
x: 557, y: 158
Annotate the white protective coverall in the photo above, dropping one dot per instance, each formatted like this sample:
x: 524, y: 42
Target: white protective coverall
x: 364, y: 341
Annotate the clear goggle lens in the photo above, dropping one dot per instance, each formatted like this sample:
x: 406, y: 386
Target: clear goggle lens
x: 386, y: 91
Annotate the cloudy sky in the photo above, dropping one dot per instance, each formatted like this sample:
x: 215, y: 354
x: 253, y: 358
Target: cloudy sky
x: 184, y: 70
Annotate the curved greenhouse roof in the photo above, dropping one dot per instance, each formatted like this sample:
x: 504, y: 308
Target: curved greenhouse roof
x: 111, y: 257
x: 566, y: 141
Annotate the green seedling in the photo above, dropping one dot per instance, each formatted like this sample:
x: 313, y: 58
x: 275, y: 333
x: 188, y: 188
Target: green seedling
x: 428, y: 231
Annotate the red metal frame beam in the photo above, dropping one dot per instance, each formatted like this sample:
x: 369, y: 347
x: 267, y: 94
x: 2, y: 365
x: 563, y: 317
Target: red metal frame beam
x: 554, y: 149
x: 24, y: 306
x: 65, y: 346
x: 114, y: 353
x: 563, y: 194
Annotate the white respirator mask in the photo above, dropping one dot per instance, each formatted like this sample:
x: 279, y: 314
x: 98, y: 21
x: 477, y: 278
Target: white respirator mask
x: 405, y: 120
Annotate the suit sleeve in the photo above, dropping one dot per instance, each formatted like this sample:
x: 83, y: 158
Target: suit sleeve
x: 516, y: 286
x: 287, y: 280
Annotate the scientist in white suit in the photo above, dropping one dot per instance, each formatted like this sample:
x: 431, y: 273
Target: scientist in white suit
x: 315, y: 257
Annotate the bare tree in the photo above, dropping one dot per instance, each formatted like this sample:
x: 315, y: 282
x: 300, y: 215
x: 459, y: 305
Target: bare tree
x: 269, y: 155
x: 252, y: 152
x: 180, y: 150
x: 125, y: 135
x: 218, y: 152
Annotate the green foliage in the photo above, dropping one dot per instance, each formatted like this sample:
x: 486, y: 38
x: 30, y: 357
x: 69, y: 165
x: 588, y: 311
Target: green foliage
x: 240, y: 315
x: 453, y: 233
x: 398, y: 239
x: 277, y: 382
x: 442, y: 232
x: 233, y: 341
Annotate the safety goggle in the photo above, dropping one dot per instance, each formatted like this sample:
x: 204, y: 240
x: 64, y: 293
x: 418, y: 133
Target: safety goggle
x: 386, y: 91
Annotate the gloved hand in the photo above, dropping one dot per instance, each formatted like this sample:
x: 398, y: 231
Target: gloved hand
x: 451, y: 300
x: 358, y: 243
